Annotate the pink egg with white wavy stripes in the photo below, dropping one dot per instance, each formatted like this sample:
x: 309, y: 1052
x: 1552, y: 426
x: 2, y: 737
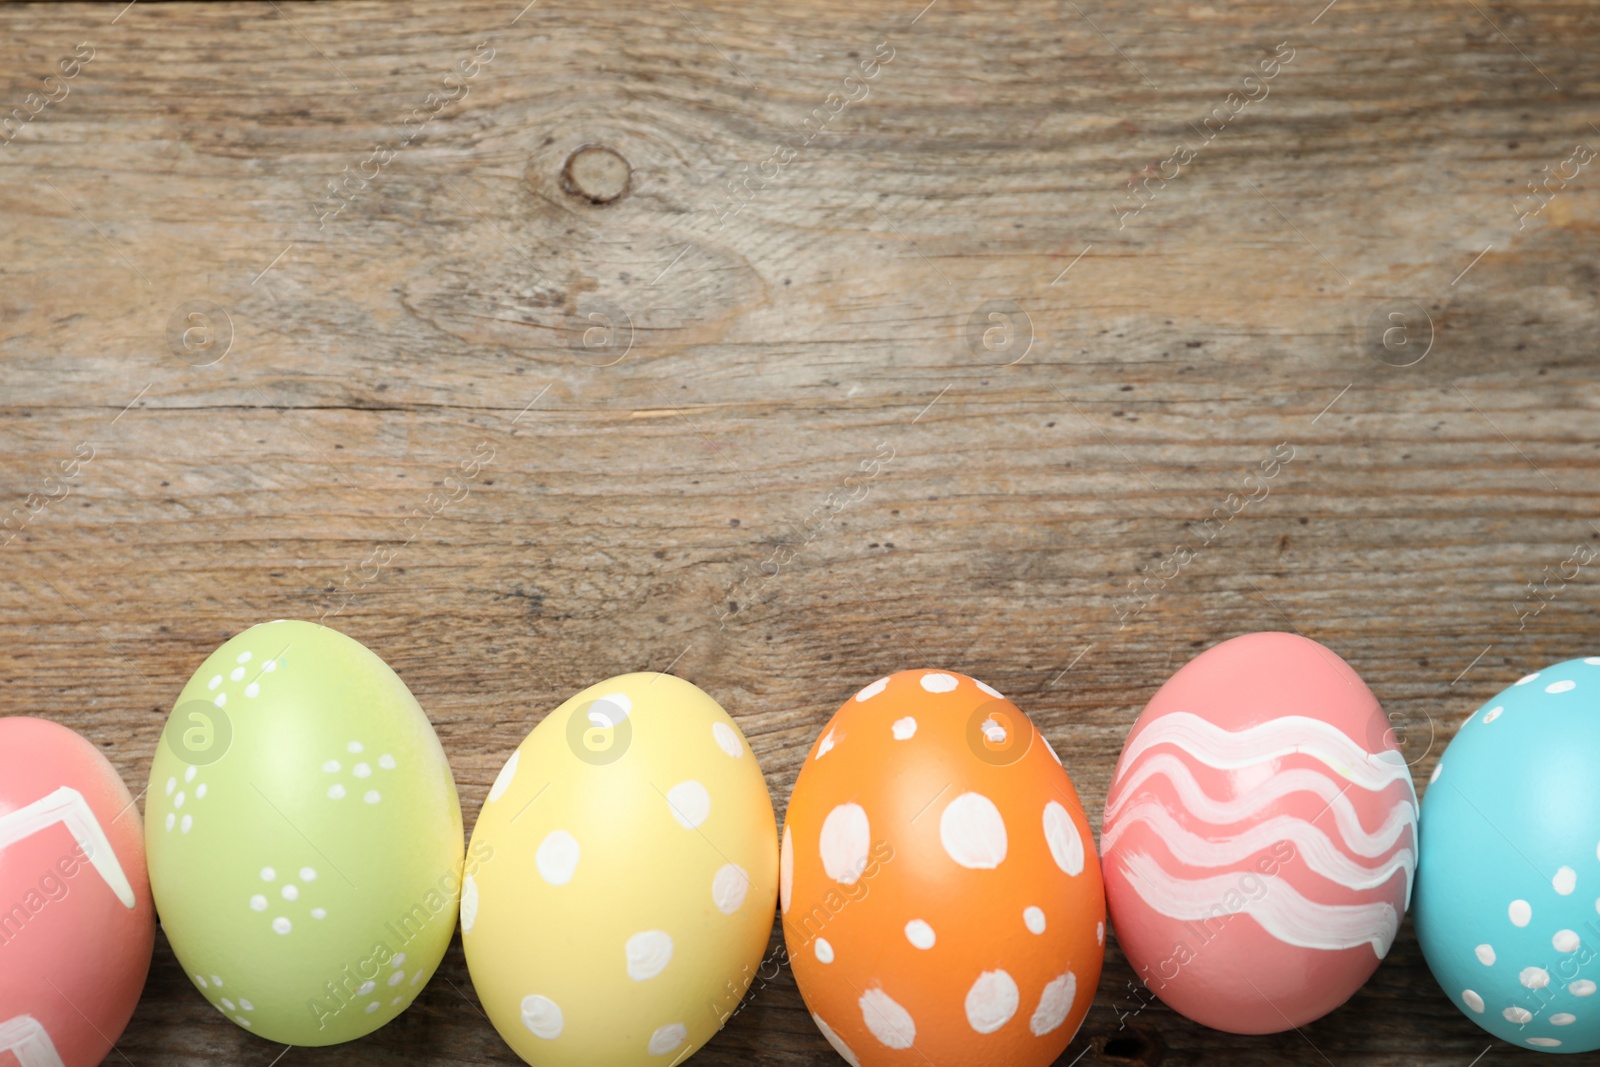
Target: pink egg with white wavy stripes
x: 1260, y: 836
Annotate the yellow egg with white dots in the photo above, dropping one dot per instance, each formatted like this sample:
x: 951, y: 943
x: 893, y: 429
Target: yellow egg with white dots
x: 625, y: 878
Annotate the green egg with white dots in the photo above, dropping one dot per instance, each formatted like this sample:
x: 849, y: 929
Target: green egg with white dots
x: 304, y: 836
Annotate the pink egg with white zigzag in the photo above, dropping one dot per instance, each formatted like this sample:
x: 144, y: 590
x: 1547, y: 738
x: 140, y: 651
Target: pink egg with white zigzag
x: 1260, y: 836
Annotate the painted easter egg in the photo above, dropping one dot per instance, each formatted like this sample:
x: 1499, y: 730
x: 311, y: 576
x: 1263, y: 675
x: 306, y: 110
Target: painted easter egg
x: 940, y: 894
x: 76, y: 920
x: 304, y: 835
x: 1260, y: 836
x: 1509, y: 886
x: 624, y: 874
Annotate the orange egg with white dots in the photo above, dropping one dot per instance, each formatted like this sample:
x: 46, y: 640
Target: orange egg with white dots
x: 939, y: 888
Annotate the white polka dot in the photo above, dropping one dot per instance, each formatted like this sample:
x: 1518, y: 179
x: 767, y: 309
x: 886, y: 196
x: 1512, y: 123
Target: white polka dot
x: 609, y: 711
x: 1485, y: 955
x: 216, y: 681
x: 1544, y: 1042
x: 920, y: 934
x: 1520, y: 912
x: 973, y: 833
x: 200, y: 979
x: 396, y: 1002
x: 1526, y: 678
x: 557, y: 857
x: 374, y: 1006
x: 252, y: 690
x: 361, y: 770
x: 502, y: 781
x: 823, y: 949
x: 648, y: 954
x: 172, y: 820
x: 258, y: 903
x: 868, y: 692
x: 988, y: 689
x: 1593, y: 661
x: 386, y: 761
x: 1473, y: 1001
x: 200, y: 791
x: 939, y: 683
x: 226, y: 1003
x: 291, y: 892
x: 1565, y: 941
x: 172, y: 783
x: 366, y: 989
x: 186, y: 824
x: 1563, y: 1018
x: 1055, y: 1004
x: 1100, y: 932
x: 993, y: 732
x: 891, y: 1024
x: 1066, y: 846
x: 242, y: 1021
x: 243, y: 657
x: 1050, y: 749
x: 236, y: 674
x: 178, y: 800
x: 281, y: 925
x: 1565, y: 881
x: 727, y: 739
x: 319, y: 913
x: 904, y: 729
x: 268, y: 874
x: 371, y: 796
x: 991, y: 1002
x: 541, y: 1016
x: 1438, y: 769
x: 469, y: 904
x: 844, y: 842
x: 1534, y: 977
x: 336, y: 791
x: 397, y: 977
x: 668, y: 1038
x: 1033, y: 919
x: 825, y: 746
x: 1581, y: 988
x: 188, y: 775
x: 270, y: 666
x: 246, y: 1005
x: 728, y: 888
x: 690, y: 804
x: 838, y: 1045
x: 354, y: 746
x: 786, y: 868
x: 1561, y: 687
x: 308, y: 874
x: 331, y: 767
x: 1493, y: 713
x: 1517, y: 1015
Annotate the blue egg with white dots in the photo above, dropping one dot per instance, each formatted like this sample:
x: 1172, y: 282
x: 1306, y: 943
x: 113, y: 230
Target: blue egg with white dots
x: 1507, y: 898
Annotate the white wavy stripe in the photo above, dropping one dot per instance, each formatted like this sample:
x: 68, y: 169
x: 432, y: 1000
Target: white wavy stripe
x: 1311, y: 844
x: 29, y: 1042
x: 1208, y: 809
x: 1281, y: 911
x: 67, y: 807
x: 1286, y: 735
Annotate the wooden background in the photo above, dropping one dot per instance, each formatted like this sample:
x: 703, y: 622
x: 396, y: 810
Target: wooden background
x: 654, y: 465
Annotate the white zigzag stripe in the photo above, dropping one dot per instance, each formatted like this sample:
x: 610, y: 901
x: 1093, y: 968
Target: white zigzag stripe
x: 1286, y: 735
x: 67, y: 807
x: 1208, y: 809
x: 1320, y: 854
x: 1280, y: 910
x: 25, y: 1039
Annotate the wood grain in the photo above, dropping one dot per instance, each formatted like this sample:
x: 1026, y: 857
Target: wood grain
x: 672, y: 382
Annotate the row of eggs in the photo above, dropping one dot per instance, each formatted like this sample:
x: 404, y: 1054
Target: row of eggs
x: 940, y: 892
